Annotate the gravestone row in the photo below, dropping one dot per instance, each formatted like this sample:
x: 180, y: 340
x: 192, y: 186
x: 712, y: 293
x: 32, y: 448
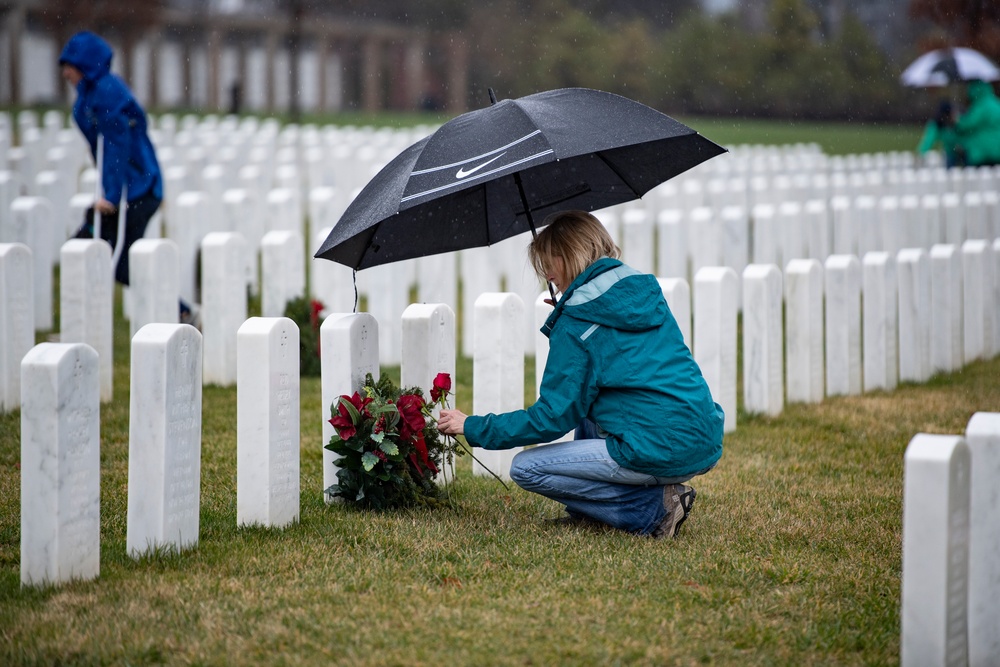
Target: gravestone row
x: 255, y: 177
x: 951, y: 537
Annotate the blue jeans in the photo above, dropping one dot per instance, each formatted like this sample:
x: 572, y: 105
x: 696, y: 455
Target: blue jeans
x: 582, y: 475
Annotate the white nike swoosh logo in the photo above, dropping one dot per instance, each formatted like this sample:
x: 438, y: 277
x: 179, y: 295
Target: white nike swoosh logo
x: 462, y: 173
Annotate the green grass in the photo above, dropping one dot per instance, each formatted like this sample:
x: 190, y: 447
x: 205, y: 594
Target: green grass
x: 791, y: 557
x: 833, y: 138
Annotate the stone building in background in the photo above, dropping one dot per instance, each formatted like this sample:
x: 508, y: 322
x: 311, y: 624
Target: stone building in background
x: 245, y: 55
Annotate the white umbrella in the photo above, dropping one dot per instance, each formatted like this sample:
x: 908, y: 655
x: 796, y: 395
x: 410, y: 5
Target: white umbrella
x: 946, y: 66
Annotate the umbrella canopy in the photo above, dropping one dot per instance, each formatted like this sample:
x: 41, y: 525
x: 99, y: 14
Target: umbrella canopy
x: 496, y: 172
x: 946, y: 66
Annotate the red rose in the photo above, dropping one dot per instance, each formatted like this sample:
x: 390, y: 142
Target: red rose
x: 421, y: 455
x: 342, y: 421
x: 442, y: 385
x: 411, y: 417
x: 315, y: 308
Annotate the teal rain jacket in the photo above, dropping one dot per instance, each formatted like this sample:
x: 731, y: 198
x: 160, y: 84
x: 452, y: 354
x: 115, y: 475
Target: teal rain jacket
x: 104, y: 105
x: 617, y: 357
x: 978, y: 128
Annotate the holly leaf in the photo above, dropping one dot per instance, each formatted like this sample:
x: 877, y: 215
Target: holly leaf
x: 389, y: 447
x: 378, y: 437
x: 368, y: 461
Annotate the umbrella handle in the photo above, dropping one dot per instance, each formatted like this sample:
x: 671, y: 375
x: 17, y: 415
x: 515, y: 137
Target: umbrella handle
x: 531, y: 219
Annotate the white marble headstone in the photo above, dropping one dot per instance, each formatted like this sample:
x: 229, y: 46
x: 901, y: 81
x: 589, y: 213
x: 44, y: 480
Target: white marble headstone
x: 241, y: 209
x: 930, y: 205
x: 974, y: 296
x: 953, y: 214
x: 763, y: 342
x: 479, y: 274
x: 187, y: 229
x: 817, y: 225
x: 946, y: 308
x: 705, y: 238
x: 332, y: 283
x: 31, y: 222
x: 983, y: 438
x: 17, y: 319
x: 349, y: 350
x: 890, y: 224
x: 715, y: 310
x: 914, y: 276
x: 267, y: 422
x: 842, y: 277
x: 428, y: 349
x: 792, y: 232
x: 880, y: 321
x: 164, y: 451
x: 85, y: 302
x: 60, y: 464
x: 995, y: 305
x: 283, y: 271
x: 284, y: 211
x: 224, y: 303
x: 637, y: 240
x: 735, y: 237
x: 388, y: 296
x: 678, y: 295
x: 766, y: 245
x: 844, y: 226
x: 672, y: 242
x: 438, y: 279
x: 935, y: 551
x: 869, y: 231
x: 498, y: 369
x: 154, y: 282
x: 804, y: 323
x: 975, y: 216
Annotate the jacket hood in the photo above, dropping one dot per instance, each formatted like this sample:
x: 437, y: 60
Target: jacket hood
x: 977, y: 90
x: 614, y: 295
x: 88, y: 53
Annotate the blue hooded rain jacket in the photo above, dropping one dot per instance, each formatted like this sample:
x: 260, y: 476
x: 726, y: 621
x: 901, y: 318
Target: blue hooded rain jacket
x: 617, y: 357
x: 105, y: 106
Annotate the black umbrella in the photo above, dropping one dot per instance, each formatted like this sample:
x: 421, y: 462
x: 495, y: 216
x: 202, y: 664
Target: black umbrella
x: 496, y: 172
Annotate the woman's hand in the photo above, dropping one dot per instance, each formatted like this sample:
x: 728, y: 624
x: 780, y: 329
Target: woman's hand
x: 451, y: 422
x: 104, y: 207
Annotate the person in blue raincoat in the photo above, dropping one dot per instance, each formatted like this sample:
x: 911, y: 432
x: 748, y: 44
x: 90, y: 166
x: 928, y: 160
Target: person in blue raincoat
x: 105, y: 107
x: 618, y: 370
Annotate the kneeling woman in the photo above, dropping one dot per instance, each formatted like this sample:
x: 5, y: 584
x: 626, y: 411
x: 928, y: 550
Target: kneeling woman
x: 619, y: 371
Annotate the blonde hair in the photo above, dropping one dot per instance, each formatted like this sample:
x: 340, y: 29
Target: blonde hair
x: 576, y: 237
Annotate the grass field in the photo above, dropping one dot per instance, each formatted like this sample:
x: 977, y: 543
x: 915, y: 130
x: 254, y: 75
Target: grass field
x: 791, y: 556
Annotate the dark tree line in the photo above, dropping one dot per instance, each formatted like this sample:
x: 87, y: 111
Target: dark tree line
x: 667, y: 54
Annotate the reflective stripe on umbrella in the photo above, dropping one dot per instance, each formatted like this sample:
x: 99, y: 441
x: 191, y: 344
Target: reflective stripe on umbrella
x: 497, y: 172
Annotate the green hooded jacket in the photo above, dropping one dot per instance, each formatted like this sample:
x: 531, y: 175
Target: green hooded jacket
x: 617, y: 357
x: 978, y: 129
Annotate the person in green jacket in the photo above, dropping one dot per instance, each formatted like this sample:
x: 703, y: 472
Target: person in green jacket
x: 978, y: 129
x: 618, y: 370
x: 940, y: 130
